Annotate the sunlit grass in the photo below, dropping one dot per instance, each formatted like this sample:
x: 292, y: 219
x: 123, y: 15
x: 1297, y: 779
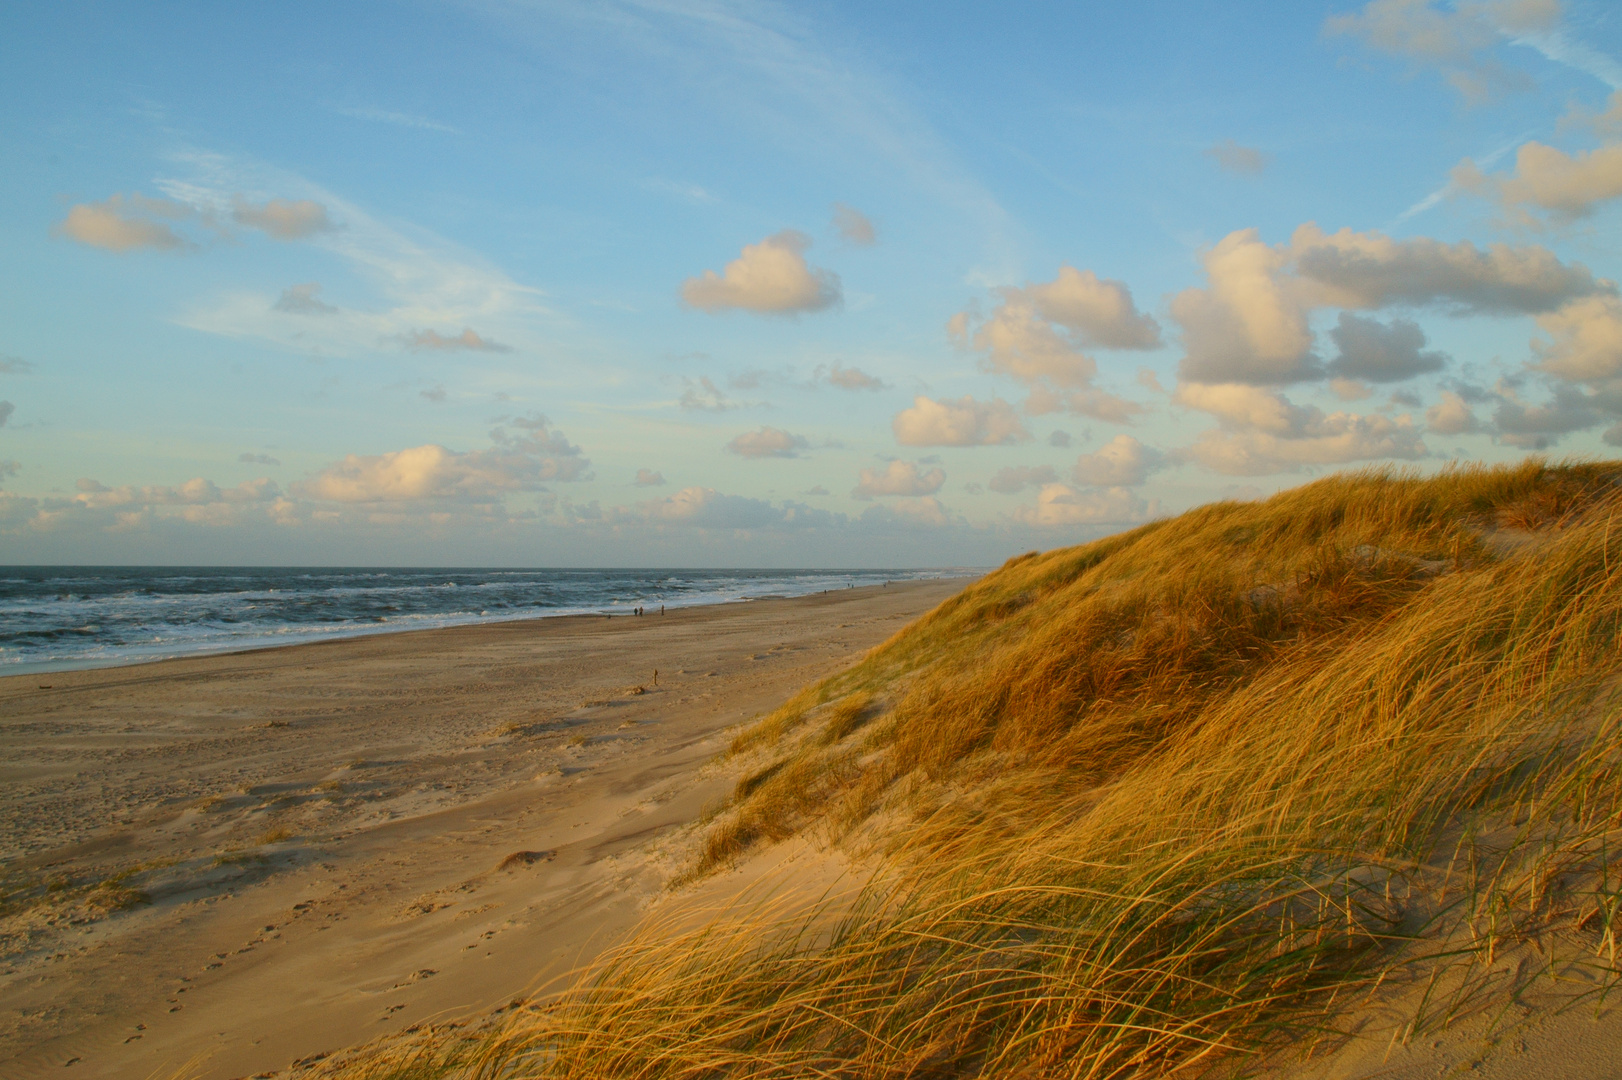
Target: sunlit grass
x: 1175, y: 798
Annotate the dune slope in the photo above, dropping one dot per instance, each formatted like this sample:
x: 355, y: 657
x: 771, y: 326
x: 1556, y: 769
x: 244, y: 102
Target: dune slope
x: 1224, y: 793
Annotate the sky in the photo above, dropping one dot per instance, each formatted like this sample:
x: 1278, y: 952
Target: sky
x: 732, y: 283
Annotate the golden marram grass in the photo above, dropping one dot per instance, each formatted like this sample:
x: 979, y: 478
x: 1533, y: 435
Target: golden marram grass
x: 1175, y: 801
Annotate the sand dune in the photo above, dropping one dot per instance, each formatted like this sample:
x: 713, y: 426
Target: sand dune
x: 227, y: 864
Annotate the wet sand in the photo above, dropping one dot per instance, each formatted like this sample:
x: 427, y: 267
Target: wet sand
x: 226, y: 864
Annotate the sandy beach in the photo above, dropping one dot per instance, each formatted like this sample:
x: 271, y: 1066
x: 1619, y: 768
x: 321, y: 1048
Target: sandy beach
x: 223, y: 865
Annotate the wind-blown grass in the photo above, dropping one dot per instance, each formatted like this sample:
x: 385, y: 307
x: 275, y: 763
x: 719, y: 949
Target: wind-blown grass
x: 1169, y: 800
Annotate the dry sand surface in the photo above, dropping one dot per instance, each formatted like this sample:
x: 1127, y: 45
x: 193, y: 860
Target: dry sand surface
x: 225, y: 864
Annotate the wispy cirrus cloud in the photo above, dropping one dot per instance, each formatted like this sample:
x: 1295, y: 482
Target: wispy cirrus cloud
x: 407, y: 279
x: 397, y: 119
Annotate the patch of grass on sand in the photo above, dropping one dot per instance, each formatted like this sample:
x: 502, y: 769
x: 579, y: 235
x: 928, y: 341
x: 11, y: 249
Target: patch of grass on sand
x: 1170, y: 801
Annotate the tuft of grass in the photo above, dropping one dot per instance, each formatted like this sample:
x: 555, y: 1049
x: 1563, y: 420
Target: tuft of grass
x: 1171, y: 801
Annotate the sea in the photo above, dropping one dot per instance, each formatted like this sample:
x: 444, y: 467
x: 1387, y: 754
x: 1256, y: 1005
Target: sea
x: 56, y: 618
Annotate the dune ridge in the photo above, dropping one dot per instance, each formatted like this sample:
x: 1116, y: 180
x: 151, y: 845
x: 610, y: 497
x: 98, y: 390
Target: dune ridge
x: 1230, y: 793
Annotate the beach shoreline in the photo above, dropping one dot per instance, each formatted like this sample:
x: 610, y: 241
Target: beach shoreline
x: 66, y: 618
x: 242, y: 859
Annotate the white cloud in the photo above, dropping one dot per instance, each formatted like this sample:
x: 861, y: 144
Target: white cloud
x: 1249, y: 324
x: 767, y: 442
x: 432, y: 340
x: 854, y: 226
x: 702, y: 395
x: 123, y: 223
x: 1059, y: 505
x: 847, y: 378
x: 516, y: 462
x: 1121, y: 462
x: 1452, y: 416
x: 1455, y: 39
x: 1264, y: 432
x: 1565, y: 186
x: 1231, y: 157
x: 898, y: 478
x: 1370, y: 270
x: 1011, y: 479
x: 649, y: 478
x: 1037, y: 333
x: 925, y: 513
x: 399, y: 119
x: 1380, y: 352
x: 284, y: 219
x: 1537, y: 427
x: 964, y: 422
x: 416, y: 279
x: 706, y: 508
x: 1584, y: 340
x: 304, y: 300
x: 771, y: 277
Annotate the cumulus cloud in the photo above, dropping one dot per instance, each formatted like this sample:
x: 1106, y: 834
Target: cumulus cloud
x: 1060, y: 505
x: 1452, y: 415
x: 1011, y: 479
x: 1263, y: 432
x: 304, y: 300
x: 916, y: 513
x: 1231, y: 157
x: 1456, y: 40
x: 1059, y: 439
x: 898, y: 478
x: 284, y: 219
x: 1037, y: 334
x: 95, y: 505
x: 706, y: 508
x: 124, y: 223
x: 9, y: 468
x: 1565, y: 186
x: 771, y: 277
x: 702, y: 395
x: 1537, y: 427
x: 1584, y: 340
x: 854, y: 226
x: 418, y: 340
x: 521, y: 461
x: 1250, y: 323
x: 1121, y: 462
x: 649, y: 478
x: 257, y: 459
x: 847, y: 378
x: 767, y: 442
x: 964, y: 422
x: 130, y: 222
x: 1381, y: 352
x: 1371, y: 270
x: 1607, y: 123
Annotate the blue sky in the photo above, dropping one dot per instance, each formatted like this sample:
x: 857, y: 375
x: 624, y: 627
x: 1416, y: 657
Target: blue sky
x: 686, y: 283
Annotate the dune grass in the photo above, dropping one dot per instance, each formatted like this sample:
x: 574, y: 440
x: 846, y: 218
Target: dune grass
x: 1170, y: 801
